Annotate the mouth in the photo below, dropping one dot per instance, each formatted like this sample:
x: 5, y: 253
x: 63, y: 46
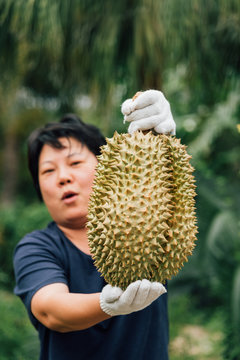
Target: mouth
x: 69, y: 196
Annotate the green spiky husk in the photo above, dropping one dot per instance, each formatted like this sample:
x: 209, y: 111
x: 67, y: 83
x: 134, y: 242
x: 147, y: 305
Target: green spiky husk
x: 141, y: 220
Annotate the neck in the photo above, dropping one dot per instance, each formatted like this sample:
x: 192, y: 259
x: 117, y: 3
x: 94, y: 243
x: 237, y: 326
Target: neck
x: 78, y: 237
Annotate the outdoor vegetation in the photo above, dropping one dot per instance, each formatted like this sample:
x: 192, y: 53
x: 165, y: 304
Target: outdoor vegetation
x: 83, y: 56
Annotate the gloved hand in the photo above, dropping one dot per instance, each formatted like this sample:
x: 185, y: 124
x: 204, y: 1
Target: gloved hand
x: 137, y: 296
x: 149, y: 110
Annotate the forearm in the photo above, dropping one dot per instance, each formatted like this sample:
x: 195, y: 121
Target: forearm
x: 66, y: 312
x: 72, y: 312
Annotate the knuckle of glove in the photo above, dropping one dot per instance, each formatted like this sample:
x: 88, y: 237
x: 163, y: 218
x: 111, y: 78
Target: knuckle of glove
x: 132, y: 128
x: 111, y: 294
x: 165, y: 127
x: 106, y: 291
x: 158, y: 289
x: 153, y: 95
x: 127, y: 107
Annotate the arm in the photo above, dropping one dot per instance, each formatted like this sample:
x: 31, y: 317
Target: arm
x: 58, y: 309
x: 62, y: 311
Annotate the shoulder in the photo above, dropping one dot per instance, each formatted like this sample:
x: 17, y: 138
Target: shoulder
x: 43, y: 242
x: 39, y: 260
x: 40, y: 255
x: 47, y: 236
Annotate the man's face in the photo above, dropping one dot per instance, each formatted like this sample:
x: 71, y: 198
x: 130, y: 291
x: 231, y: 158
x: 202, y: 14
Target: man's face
x: 65, y: 178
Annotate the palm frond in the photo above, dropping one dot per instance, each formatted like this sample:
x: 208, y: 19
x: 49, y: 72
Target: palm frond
x: 223, y: 117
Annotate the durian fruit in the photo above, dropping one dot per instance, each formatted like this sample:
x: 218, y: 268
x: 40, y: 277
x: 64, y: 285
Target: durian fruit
x: 141, y: 221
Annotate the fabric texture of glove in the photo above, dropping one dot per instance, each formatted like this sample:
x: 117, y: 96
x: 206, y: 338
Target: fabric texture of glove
x: 149, y: 110
x: 137, y: 296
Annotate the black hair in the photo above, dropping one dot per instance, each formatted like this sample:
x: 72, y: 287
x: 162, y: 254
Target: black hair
x: 69, y: 126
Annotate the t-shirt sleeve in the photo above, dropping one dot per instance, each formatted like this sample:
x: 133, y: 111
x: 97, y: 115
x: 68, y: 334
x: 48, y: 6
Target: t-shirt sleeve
x: 37, y: 263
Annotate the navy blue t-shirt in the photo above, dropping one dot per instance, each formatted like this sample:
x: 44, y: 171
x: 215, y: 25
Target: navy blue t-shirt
x: 47, y: 256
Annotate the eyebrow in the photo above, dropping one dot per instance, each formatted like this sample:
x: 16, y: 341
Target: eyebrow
x: 73, y: 154
x: 45, y: 161
x: 68, y: 156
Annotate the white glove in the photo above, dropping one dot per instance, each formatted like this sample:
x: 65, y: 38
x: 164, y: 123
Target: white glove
x: 137, y: 296
x: 149, y: 110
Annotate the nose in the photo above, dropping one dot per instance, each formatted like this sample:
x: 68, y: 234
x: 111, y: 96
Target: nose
x: 64, y: 177
x: 64, y: 181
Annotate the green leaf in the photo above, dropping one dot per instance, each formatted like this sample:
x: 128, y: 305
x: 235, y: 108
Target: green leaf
x: 222, y: 236
x: 221, y: 118
x: 236, y: 301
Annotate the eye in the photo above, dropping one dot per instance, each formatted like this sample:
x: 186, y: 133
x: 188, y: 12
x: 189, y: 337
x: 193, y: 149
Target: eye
x: 47, y: 171
x: 75, y: 163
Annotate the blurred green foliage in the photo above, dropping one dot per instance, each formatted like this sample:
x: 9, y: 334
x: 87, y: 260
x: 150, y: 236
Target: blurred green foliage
x: 194, y: 334
x: 18, y: 339
x: 87, y: 57
x: 15, y: 222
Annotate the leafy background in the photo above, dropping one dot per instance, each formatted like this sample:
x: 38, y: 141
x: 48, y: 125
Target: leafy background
x: 87, y: 57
